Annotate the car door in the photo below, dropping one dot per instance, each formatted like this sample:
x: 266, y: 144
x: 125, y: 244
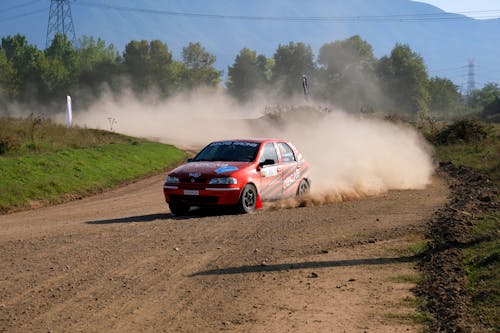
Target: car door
x: 289, y: 168
x: 270, y: 180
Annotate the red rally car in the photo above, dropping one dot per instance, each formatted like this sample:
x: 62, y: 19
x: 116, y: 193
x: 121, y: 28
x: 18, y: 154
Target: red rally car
x: 239, y: 173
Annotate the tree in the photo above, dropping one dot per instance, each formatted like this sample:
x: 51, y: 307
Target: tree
x: 149, y: 64
x: 97, y: 63
x: 482, y: 97
x: 492, y: 111
x: 199, y: 69
x: 136, y: 60
x: 55, y: 78
x: 59, y: 70
x: 159, y: 67
x: 23, y: 59
x: 346, y: 73
x: 247, y: 74
x: 62, y: 49
x: 290, y: 63
x: 91, y: 52
x: 405, y: 80
x: 7, y: 74
x: 339, y: 56
x: 444, y: 97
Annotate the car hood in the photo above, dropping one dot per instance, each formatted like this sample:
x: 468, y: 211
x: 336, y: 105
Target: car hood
x: 209, y: 168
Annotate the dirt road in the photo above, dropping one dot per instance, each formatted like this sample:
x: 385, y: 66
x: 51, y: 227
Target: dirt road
x: 119, y: 262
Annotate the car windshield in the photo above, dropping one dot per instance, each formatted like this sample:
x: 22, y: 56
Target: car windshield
x: 230, y: 151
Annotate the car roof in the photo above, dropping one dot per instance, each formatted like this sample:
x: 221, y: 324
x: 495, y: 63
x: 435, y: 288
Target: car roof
x: 256, y: 140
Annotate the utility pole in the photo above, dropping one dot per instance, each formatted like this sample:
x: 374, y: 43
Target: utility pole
x: 471, y: 83
x: 60, y: 22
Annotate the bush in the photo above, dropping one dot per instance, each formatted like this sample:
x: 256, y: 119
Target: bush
x: 491, y: 112
x: 8, y: 143
x: 463, y: 131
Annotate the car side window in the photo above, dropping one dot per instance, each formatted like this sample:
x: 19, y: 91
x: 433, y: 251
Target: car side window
x: 286, y: 152
x: 269, y: 153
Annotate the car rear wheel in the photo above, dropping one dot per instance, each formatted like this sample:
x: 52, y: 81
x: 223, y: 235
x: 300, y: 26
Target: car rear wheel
x: 178, y: 209
x: 248, y: 199
x: 303, y: 188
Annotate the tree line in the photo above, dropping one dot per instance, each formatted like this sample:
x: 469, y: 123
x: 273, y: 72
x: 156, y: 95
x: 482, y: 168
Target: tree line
x: 345, y: 73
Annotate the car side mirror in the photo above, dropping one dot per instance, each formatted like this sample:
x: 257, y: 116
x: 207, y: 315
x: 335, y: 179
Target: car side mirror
x: 266, y: 162
x: 190, y: 160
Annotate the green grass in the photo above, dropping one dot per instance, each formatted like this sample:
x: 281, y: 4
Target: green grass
x: 415, y: 248
x: 32, y: 135
x: 419, y: 316
x: 482, y: 259
x: 52, y: 176
x: 406, y: 278
x: 414, y: 302
x: 481, y: 156
x: 41, y: 161
x: 482, y: 263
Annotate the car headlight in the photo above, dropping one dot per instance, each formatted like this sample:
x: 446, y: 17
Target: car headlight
x: 172, y: 180
x: 223, y: 181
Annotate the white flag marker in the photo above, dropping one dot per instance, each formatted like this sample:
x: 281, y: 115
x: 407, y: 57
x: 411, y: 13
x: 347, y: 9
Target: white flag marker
x: 69, y: 112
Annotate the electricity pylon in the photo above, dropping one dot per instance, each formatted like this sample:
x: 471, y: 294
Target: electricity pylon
x: 60, y: 21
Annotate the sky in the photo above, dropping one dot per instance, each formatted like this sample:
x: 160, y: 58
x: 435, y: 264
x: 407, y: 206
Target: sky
x: 479, y: 9
x: 447, y: 57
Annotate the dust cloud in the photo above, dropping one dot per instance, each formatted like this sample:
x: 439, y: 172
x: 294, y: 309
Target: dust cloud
x: 350, y: 156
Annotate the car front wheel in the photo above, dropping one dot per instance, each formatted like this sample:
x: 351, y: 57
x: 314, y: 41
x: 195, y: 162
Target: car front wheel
x: 248, y: 199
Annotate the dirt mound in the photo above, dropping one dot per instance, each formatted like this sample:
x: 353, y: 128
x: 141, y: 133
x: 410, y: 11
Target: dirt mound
x: 449, y: 231
x: 282, y: 114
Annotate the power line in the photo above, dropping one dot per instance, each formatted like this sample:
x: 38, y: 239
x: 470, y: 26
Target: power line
x: 19, y: 6
x: 336, y: 19
x: 22, y: 15
x: 451, y: 69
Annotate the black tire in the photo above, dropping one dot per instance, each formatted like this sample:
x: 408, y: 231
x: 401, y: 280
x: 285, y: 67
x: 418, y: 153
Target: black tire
x: 178, y: 208
x: 248, y: 199
x: 303, y: 188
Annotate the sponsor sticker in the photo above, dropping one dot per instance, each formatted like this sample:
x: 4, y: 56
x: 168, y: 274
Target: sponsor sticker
x: 246, y: 144
x: 290, y: 180
x: 269, y: 172
x: 226, y: 168
x: 235, y: 143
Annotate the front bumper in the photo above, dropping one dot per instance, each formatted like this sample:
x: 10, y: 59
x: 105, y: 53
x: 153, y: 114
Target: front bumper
x: 201, y: 195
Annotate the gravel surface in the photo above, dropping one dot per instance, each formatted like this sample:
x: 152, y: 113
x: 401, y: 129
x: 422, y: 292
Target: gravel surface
x: 120, y: 262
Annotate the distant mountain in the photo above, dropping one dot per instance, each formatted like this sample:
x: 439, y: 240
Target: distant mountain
x: 446, y: 42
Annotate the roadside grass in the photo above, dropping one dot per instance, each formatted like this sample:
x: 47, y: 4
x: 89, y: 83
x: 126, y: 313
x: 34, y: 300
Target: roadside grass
x: 419, y: 314
x: 483, y: 156
x: 416, y: 246
x: 482, y: 264
x: 31, y: 135
x: 406, y: 278
x: 412, y: 301
x: 415, y: 305
x: 482, y: 260
x: 64, y: 163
